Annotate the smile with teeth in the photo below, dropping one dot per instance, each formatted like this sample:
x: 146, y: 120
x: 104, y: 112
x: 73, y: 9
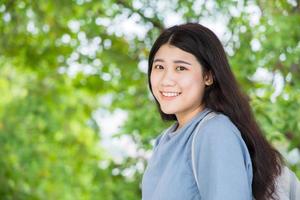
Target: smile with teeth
x: 171, y: 94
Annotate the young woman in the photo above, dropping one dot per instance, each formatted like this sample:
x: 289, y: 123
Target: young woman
x: 189, y: 76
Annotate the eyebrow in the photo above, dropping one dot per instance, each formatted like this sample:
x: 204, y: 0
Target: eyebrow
x: 175, y: 61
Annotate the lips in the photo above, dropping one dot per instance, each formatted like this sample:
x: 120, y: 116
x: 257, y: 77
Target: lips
x: 169, y: 95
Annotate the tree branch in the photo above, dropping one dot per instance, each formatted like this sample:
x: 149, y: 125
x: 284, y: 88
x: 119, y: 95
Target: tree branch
x: 155, y: 23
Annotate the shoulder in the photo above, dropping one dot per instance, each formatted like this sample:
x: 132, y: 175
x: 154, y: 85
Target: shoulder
x: 158, y: 139
x: 220, y: 124
x: 220, y: 140
x: 219, y: 129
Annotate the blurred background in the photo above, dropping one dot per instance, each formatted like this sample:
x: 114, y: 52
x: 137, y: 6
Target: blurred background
x: 77, y: 120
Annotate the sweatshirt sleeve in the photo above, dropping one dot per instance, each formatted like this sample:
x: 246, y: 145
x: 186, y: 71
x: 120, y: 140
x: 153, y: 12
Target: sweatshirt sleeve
x: 222, y: 161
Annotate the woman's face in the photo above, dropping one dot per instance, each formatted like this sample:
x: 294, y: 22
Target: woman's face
x: 177, y: 82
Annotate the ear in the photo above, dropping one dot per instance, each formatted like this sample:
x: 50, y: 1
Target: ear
x: 208, y: 78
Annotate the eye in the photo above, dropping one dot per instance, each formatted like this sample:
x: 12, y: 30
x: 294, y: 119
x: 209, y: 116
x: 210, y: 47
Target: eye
x: 181, y: 68
x: 158, y: 67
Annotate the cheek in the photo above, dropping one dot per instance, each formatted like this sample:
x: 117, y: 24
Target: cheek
x: 154, y: 80
x: 194, y: 84
x: 191, y: 81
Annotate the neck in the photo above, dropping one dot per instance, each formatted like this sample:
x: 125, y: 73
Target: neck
x: 184, y: 118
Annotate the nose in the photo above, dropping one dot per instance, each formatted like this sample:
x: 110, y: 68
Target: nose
x: 168, y: 78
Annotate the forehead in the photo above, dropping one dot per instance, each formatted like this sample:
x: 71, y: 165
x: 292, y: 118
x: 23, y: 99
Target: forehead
x: 170, y: 52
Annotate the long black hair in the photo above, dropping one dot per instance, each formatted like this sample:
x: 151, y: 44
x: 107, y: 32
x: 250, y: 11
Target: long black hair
x: 225, y: 96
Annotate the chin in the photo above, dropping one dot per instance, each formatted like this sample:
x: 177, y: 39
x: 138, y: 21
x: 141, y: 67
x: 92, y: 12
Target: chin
x: 168, y: 112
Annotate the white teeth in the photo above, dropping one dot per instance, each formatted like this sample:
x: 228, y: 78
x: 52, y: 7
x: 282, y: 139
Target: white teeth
x: 170, y: 94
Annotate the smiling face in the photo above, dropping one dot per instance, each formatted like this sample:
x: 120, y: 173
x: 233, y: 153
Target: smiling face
x: 177, y: 82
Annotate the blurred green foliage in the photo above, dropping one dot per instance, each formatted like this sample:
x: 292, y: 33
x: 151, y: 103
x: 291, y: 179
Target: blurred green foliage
x: 58, y: 58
